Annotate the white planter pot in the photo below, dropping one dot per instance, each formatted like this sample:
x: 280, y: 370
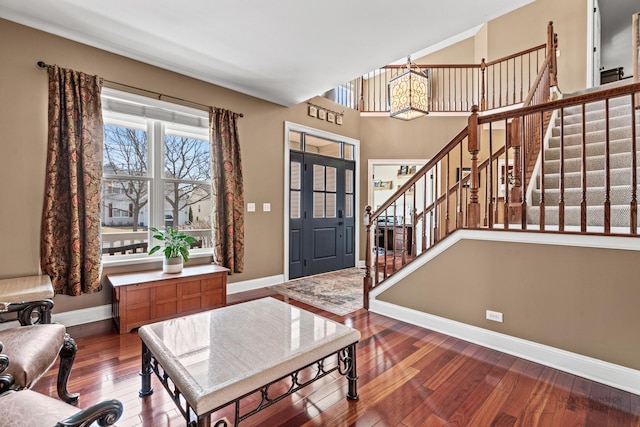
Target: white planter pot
x: 172, y: 265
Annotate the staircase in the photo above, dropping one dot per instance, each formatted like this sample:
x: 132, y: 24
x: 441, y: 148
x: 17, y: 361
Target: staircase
x: 567, y: 131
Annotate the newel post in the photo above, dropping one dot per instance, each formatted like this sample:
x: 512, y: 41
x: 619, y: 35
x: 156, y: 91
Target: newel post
x: 483, y: 86
x: 473, y: 210
x: 367, y: 283
x: 552, y: 47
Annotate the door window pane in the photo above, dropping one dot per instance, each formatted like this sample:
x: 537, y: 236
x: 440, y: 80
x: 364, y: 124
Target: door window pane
x: 294, y: 203
x: 326, y: 147
x: 348, y: 205
x: 330, y: 206
x: 318, y: 178
x: 348, y: 181
x: 332, y: 174
x: 318, y: 205
x: 296, y: 176
x: 295, y: 140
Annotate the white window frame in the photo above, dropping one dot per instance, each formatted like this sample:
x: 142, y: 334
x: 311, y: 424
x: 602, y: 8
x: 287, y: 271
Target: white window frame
x: 157, y: 118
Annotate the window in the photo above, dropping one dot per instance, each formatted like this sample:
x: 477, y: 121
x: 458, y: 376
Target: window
x: 157, y: 172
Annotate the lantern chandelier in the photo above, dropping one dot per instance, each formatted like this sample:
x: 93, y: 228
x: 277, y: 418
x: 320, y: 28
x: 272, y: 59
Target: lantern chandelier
x: 409, y: 93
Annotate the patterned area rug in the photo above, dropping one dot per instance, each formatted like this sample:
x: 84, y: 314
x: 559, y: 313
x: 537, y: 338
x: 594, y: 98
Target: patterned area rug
x: 338, y: 292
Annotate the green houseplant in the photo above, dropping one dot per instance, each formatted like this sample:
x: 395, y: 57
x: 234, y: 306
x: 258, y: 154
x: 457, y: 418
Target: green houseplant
x: 176, y: 248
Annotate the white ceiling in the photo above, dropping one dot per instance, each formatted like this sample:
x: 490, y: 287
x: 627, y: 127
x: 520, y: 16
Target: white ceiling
x: 284, y: 51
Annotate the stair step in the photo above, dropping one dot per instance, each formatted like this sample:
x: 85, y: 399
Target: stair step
x: 620, y: 101
x: 594, y: 137
x: 618, y: 195
x: 616, y: 161
x: 620, y: 215
x: 576, y: 116
x: 592, y: 149
x: 594, y: 178
x: 595, y: 125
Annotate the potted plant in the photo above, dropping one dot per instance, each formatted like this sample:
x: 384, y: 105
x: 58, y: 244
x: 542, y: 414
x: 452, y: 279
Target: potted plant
x: 176, y: 248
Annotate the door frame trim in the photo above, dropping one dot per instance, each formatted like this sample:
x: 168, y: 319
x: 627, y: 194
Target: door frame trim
x: 290, y: 126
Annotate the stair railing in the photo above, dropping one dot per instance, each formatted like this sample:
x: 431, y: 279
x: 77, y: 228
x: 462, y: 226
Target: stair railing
x: 454, y: 189
x: 501, y: 83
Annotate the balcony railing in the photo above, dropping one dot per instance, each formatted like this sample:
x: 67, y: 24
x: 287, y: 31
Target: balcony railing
x: 491, y: 85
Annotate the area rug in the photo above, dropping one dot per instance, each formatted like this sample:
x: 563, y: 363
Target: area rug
x: 338, y: 292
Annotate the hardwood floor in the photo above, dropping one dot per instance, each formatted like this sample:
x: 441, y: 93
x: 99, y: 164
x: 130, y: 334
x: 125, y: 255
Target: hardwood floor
x: 408, y: 376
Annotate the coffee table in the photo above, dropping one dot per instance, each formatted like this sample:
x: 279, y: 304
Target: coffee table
x: 209, y: 360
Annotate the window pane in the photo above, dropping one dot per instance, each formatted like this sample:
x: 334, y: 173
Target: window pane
x: 348, y: 151
x: 186, y: 158
x: 296, y: 177
x: 318, y: 205
x: 187, y: 207
x: 295, y: 140
x: 326, y: 147
x: 318, y: 178
x: 125, y: 151
x: 348, y: 181
x: 332, y: 174
x: 124, y: 216
x: 349, y: 205
x: 330, y: 207
x: 295, y: 204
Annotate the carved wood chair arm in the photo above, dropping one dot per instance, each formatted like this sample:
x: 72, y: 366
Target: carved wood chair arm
x: 106, y: 413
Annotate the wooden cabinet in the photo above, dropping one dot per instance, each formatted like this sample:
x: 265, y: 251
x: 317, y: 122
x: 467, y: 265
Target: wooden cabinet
x: 398, y: 238
x: 151, y: 296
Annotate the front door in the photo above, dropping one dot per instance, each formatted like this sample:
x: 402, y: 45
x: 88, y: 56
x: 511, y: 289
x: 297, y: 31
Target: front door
x: 322, y: 221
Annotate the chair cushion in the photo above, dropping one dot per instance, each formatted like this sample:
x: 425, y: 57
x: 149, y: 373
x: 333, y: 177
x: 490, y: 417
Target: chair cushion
x: 26, y: 408
x: 31, y: 350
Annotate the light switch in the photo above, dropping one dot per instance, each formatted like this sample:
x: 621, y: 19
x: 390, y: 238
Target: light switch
x: 266, y: 207
x: 251, y: 207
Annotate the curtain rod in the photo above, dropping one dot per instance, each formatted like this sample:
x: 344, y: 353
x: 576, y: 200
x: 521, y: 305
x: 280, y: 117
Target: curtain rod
x: 43, y: 65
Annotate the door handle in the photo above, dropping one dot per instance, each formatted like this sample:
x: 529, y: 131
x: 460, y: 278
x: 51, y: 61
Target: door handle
x: 341, y: 223
x: 339, y: 213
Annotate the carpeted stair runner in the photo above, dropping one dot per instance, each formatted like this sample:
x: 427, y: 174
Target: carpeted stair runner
x: 620, y: 158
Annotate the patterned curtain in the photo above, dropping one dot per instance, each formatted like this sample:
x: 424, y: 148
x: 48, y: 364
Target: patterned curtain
x: 227, y: 191
x: 70, y: 234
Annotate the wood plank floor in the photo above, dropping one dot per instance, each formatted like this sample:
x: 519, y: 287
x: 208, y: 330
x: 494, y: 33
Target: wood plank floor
x: 408, y: 376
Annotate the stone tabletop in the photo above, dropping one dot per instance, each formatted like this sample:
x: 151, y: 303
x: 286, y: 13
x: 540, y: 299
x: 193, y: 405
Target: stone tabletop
x: 217, y: 356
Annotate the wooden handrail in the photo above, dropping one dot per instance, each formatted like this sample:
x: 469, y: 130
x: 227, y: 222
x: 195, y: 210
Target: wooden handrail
x: 423, y: 170
x: 516, y: 55
x: 586, y: 98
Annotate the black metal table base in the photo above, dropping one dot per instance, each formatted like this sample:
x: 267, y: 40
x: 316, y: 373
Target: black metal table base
x: 346, y: 366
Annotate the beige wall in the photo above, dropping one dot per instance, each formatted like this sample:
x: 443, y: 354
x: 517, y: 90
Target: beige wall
x: 582, y: 300
x: 23, y: 123
x: 23, y: 133
x: 461, y: 52
x: 526, y: 27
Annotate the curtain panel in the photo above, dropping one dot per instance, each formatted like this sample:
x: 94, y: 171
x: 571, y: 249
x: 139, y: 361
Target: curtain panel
x: 227, y: 190
x: 70, y: 231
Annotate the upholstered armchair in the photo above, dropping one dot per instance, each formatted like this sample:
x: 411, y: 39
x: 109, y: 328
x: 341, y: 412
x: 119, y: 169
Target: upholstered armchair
x: 32, y: 350
x: 26, y: 408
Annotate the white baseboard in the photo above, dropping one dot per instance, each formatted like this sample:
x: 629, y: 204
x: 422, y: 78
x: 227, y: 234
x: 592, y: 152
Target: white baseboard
x: 82, y: 316
x: 594, y: 369
x: 249, y: 285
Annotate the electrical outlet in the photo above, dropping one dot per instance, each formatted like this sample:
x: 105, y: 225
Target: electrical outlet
x: 495, y: 316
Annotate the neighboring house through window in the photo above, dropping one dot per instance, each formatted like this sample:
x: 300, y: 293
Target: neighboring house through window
x: 157, y: 168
